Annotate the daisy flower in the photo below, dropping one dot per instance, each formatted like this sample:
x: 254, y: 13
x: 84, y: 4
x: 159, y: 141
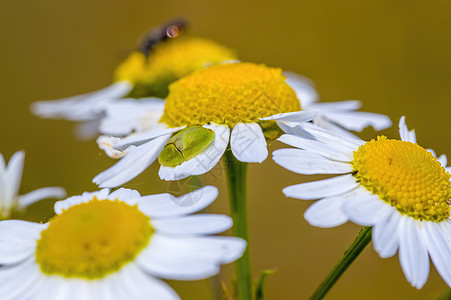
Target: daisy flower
x: 238, y: 97
x: 104, y: 245
x: 338, y: 116
x: 396, y: 186
x: 10, y: 177
x: 144, y: 73
x: 240, y: 103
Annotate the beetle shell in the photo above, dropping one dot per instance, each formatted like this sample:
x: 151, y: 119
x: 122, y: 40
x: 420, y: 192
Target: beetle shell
x: 185, y: 145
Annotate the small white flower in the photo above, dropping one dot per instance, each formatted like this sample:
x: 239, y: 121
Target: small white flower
x: 396, y: 186
x: 115, y: 246
x: 142, y: 74
x: 10, y: 178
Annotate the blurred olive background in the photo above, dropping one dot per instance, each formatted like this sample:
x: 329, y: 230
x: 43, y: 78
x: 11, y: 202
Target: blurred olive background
x: 393, y: 55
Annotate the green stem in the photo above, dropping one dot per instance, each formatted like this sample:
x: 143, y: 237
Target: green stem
x: 360, y: 242
x: 236, y: 179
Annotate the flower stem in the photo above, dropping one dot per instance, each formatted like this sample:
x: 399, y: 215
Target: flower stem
x: 236, y: 179
x: 360, y: 242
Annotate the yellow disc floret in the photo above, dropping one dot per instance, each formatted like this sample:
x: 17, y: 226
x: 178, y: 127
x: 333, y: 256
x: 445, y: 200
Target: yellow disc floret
x: 131, y: 69
x: 93, y: 239
x: 406, y: 176
x: 173, y: 59
x: 229, y: 94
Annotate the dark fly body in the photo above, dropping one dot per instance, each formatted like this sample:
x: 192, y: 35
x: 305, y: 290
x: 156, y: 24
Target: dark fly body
x: 169, y: 30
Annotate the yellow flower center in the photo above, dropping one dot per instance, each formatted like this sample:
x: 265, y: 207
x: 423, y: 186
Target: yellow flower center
x: 93, y: 239
x: 173, y: 59
x: 406, y: 176
x: 229, y: 94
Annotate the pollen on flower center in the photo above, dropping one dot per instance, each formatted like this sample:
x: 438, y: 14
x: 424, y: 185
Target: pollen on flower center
x: 229, y: 94
x: 93, y: 239
x: 406, y: 176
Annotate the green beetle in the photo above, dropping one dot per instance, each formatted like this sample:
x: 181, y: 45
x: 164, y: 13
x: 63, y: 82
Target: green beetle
x: 185, y: 145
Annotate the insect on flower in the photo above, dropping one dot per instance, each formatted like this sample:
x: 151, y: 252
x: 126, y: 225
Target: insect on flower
x: 169, y: 30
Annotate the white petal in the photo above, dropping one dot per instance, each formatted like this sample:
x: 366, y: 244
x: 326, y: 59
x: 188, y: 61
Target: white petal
x: 439, y: 248
x: 337, y: 106
x: 303, y: 162
x: 83, y: 107
x: 317, y: 147
x: 248, y: 143
x: 358, y: 120
x: 203, y: 162
x: 2, y: 164
x: 142, y: 137
x: 60, y: 206
x: 326, y: 212
x: 163, y: 260
x: 335, y: 139
x: 446, y: 230
x: 432, y: 152
x: 413, y: 256
x: 13, y: 176
x: 135, y: 162
x: 327, y: 124
x: 189, y: 258
x: 47, y: 288
x: 303, y: 87
x: 76, y: 108
x: 404, y: 133
x: 224, y: 249
x: 141, y: 286
x: 294, y: 128
x: 20, y: 231
x: 201, y: 224
x: 42, y: 193
x: 55, y: 287
x: 4, y: 202
x: 385, y: 235
x: 80, y: 289
x: 106, y: 143
x: 113, y: 287
x: 125, y: 115
x: 322, y: 188
x: 366, y: 209
x: 323, y: 130
x: 63, y: 289
x: 124, y: 195
x: 443, y: 160
x: 14, y: 252
x: 166, y: 205
x: 19, y: 280
x: 297, y: 116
